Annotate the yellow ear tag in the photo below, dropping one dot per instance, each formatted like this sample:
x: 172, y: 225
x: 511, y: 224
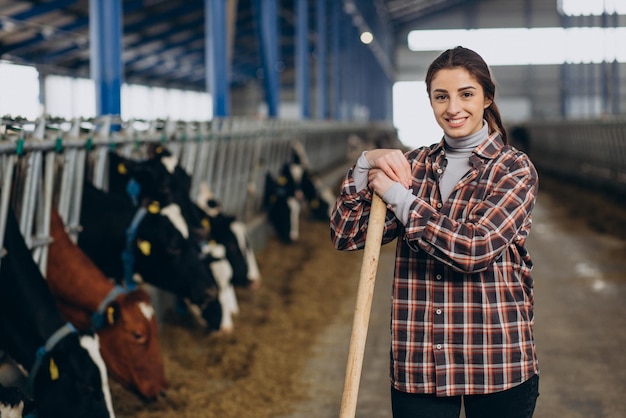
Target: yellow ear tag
x: 154, y: 207
x: 54, y: 370
x: 158, y: 150
x: 144, y: 247
x: 121, y: 168
x: 282, y: 180
x: 206, y: 224
x: 315, y: 203
x: 110, y: 315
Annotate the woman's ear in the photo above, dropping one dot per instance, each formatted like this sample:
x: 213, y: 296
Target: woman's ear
x: 487, y: 103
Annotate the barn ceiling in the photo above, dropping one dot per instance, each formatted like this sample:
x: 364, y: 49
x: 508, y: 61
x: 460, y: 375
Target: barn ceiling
x: 163, y: 40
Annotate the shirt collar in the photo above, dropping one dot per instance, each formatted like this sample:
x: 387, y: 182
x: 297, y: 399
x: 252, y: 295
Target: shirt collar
x: 487, y: 149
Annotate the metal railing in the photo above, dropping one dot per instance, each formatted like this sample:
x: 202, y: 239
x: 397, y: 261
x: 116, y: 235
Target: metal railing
x: 592, y: 152
x: 44, y: 163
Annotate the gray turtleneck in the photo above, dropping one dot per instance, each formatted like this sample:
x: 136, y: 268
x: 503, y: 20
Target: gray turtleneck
x: 458, y: 151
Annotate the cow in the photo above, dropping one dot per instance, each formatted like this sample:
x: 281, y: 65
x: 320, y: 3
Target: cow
x: 162, y: 179
x: 283, y: 208
x: 66, y: 374
x: 233, y: 235
x: 133, y: 244
x: 124, y: 319
x: 304, y: 185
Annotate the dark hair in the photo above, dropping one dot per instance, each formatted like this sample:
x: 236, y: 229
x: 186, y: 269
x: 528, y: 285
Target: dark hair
x: 460, y: 57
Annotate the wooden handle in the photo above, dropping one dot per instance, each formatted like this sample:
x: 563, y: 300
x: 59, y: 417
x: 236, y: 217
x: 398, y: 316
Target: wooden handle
x: 363, y: 307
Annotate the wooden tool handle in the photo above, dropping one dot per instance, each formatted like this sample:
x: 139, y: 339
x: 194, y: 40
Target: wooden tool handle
x: 363, y: 307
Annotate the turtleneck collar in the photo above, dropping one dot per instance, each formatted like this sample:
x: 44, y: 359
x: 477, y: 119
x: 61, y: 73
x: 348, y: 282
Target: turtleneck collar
x: 467, y: 143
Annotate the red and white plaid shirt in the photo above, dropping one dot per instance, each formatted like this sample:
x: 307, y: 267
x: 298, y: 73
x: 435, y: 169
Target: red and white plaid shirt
x: 462, y: 308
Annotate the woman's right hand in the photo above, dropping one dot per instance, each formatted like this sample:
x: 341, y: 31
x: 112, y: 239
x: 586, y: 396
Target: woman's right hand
x: 393, y: 163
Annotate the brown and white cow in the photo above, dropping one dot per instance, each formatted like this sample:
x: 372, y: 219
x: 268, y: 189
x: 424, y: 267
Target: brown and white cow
x: 124, y: 320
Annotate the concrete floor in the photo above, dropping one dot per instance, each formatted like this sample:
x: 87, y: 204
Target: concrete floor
x: 580, y: 323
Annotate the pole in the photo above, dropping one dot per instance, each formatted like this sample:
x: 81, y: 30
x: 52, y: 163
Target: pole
x: 363, y: 307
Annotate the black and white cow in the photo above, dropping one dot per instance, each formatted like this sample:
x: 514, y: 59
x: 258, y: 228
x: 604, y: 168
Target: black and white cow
x: 233, y: 235
x: 145, y: 243
x: 283, y: 208
x: 161, y: 178
x: 66, y: 374
x: 304, y: 185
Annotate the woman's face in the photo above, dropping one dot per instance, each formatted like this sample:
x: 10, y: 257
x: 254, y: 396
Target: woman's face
x: 458, y: 102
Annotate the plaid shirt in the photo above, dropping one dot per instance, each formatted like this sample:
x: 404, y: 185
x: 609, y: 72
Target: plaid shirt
x: 462, y: 307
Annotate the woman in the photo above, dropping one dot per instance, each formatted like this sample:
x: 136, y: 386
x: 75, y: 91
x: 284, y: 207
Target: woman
x: 462, y: 306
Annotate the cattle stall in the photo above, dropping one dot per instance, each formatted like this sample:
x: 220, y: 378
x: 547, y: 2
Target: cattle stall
x: 43, y: 163
x: 588, y: 152
x: 46, y: 164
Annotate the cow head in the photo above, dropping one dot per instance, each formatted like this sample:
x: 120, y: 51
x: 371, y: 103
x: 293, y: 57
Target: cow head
x: 128, y: 341
x: 71, y: 381
x: 159, y: 178
x: 171, y: 262
x: 130, y: 346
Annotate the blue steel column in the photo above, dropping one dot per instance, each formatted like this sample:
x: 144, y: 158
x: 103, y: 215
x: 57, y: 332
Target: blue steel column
x: 105, y: 34
x: 320, y: 80
x: 267, y: 15
x: 349, y: 57
x: 216, y: 68
x: 302, y: 57
x: 336, y: 61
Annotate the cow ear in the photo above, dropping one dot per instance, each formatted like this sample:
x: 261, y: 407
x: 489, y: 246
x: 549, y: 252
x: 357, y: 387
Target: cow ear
x: 144, y: 246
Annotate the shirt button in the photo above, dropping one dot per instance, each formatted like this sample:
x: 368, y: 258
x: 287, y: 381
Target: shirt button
x: 439, y: 205
x: 438, y: 277
x: 438, y: 346
x: 439, y: 170
x: 438, y: 311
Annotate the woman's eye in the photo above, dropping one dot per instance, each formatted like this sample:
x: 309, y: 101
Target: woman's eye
x: 440, y: 97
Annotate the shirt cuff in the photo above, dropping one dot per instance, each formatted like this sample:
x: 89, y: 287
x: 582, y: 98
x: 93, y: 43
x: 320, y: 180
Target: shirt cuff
x: 400, y: 200
x: 360, y: 172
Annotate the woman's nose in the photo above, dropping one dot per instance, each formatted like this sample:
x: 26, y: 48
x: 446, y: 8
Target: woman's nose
x: 454, y: 106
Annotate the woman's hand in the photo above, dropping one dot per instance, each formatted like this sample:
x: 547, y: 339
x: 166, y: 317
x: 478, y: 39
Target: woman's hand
x: 379, y: 181
x: 393, y: 164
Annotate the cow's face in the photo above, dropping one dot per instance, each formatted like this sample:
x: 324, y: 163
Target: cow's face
x: 72, y: 382
x: 130, y: 346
